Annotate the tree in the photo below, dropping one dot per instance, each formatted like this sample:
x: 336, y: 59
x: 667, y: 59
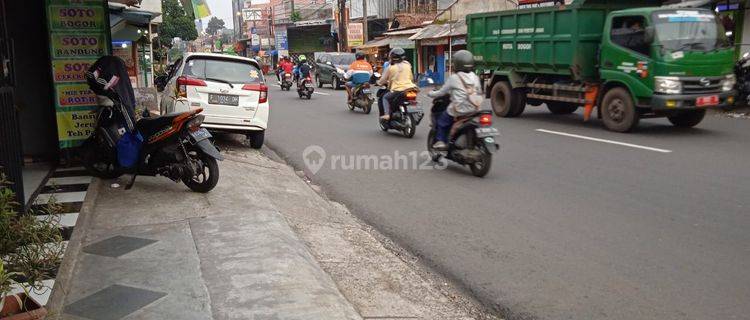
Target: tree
x: 175, y: 24
x: 215, y: 24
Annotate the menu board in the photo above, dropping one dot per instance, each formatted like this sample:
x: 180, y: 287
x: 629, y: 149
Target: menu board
x: 78, y: 35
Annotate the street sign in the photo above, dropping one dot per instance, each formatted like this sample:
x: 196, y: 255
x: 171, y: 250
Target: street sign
x: 281, y: 39
x: 355, y: 34
x: 252, y: 14
x: 255, y: 40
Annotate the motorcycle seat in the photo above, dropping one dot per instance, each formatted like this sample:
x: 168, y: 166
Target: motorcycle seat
x: 474, y: 114
x: 151, y: 125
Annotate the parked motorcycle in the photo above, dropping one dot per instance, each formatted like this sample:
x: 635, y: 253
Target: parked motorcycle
x: 305, y: 88
x: 362, y: 95
x: 286, y: 81
x: 174, y: 145
x: 472, y: 142
x: 406, y: 116
x: 742, y: 72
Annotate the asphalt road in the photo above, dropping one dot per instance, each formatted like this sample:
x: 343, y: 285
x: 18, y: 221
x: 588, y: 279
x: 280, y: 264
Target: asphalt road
x: 648, y: 225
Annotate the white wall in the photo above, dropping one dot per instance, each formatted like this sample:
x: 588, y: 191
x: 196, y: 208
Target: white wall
x: 152, y: 6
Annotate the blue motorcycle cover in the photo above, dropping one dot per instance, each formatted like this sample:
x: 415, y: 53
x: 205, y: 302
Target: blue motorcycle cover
x: 129, y: 149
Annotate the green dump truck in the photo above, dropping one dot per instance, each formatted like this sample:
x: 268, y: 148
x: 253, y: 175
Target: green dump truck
x: 626, y: 59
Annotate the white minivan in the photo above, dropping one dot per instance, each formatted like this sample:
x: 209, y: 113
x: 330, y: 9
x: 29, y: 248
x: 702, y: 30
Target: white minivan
x: 230, y: 89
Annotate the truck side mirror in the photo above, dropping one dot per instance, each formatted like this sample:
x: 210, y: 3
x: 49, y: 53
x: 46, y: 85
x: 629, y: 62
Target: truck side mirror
x: 648, y: 36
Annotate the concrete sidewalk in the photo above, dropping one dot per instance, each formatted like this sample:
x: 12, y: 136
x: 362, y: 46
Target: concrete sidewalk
x: 160, y: 251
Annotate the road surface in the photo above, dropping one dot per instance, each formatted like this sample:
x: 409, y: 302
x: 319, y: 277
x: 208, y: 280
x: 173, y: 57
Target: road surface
x: 573, y: 221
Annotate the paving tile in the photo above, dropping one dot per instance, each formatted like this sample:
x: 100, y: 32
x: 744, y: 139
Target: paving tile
x: 117, y: 246
x: 113, y: 302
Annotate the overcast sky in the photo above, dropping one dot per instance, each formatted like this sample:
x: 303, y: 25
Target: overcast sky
x: 221, y: 9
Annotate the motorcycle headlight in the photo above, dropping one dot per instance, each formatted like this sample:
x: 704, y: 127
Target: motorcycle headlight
x: 667, y: 85
x: 728, y: 83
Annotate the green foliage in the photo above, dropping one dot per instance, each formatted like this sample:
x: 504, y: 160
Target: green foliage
x: 215, y: 24
x: 295, y: 16
x: 175, y: 24
x: 31, y: 248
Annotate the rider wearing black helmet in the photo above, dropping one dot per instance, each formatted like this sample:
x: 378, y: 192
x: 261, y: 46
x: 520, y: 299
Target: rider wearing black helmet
x: 464, y: 89
x: 398, y: 77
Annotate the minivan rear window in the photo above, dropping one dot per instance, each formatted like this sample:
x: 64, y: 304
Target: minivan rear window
x: 227, y: 70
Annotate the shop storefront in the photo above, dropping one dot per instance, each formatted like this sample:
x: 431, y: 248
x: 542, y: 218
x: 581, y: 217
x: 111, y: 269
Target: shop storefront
x: 310, y: 36
x: 45, y: 103
x: 131, y: 29
x: 434, y: 44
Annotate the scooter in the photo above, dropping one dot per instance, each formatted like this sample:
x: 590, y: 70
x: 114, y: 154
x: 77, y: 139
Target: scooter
x: 406, y: 116
x: 286, y: 81
x: 174, y: 145
x: 363, y: 95
x: 305, y: 88
x: 472, y: 142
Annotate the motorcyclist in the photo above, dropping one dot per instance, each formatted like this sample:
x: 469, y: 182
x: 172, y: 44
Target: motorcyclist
x: 285, y: 66
x: 398, y: 78
x: 303, y: 69
x: 360, y: 71
x: 460, y: 85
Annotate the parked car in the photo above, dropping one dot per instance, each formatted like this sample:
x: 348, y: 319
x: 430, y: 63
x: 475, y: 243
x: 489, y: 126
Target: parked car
x: 230, y: 89
x: 330, y: 68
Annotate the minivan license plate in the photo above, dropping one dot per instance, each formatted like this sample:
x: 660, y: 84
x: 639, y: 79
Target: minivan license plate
x: 223, y: 99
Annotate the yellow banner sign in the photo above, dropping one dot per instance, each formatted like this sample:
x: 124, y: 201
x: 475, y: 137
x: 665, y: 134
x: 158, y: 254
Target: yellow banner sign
x: 67, y: 45
x: 70, y: 70
x: 74, y: 95
x: 77, y: 17
x: 75, y: 125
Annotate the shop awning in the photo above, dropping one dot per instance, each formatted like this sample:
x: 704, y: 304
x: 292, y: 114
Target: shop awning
x: 435, y: 31
x: 126, y: 22
x: 382, y: 42
x: 391, y: 41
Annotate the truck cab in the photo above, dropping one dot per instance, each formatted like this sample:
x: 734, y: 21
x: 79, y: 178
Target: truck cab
x: 674, y: 62
x: 627, y: 60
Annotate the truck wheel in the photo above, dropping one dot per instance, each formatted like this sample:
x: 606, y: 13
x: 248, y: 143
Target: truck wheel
x: 506, y: 102
x: 561, y: 107
x: 687, y: 119
x: 618, y: 111
x: 518, y: 101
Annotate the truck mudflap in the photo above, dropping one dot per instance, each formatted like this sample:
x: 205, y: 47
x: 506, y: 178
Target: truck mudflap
x: 661, y: 102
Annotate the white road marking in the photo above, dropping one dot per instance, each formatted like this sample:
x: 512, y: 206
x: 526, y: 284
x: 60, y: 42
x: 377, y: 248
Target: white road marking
x: 323, y: 93
x: 605, y: 141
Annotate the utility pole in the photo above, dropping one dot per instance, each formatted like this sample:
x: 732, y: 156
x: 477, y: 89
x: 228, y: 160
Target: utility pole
x: 342, y: 27
x: 291, y: 13
x: 364, y: 21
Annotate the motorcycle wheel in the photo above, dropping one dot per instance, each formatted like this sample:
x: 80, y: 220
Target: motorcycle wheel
x: 482, y: 167
x: 368, y: 107
x: 434, y: 154
x: 96, y: 160
x: 350, y: 105
x: 410, y: 127
x: 383, y: 125
x: 208, y: 175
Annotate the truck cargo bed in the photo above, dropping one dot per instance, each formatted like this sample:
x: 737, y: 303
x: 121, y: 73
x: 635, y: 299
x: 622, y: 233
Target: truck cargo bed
x: 560, y: 40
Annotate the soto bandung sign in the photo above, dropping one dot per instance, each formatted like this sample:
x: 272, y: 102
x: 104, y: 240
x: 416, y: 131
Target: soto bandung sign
x: 78, y: 35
